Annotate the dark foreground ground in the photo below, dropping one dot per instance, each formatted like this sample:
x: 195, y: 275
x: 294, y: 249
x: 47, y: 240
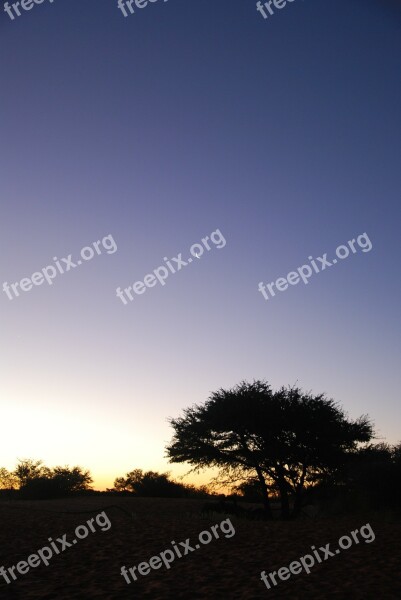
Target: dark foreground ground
x: 225, y: 568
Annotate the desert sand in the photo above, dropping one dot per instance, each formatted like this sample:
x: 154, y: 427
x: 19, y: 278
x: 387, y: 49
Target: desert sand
x: 225, y: 568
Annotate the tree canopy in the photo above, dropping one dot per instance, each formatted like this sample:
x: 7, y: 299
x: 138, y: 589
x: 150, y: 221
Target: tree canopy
x: 286, y: 439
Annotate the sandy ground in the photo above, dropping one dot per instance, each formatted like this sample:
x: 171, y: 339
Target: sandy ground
x: 225, y: 568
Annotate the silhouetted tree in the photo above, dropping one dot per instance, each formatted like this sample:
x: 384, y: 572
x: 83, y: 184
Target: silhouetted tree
x: 28, y: 469
x: 285, y: 440
x: 374, y: 473
x: 8, y: 481
x: 129, y: 482
x: 71, y: 480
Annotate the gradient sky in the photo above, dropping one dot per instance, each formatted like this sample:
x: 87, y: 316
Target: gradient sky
x: 158, y: 129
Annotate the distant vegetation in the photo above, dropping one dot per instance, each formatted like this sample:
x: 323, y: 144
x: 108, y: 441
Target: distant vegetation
x: 33, y: 480
x: 151, y: 484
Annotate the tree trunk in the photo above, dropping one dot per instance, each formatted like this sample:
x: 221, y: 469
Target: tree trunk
x: 263, y: 486
x: 285, y: 502
x: 283, y: 487
x: 299, y: 493
x: 265, y: 493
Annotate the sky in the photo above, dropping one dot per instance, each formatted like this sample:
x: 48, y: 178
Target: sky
x: 157, y: 129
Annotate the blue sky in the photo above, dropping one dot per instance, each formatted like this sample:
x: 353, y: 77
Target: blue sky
x: 158, y: 129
